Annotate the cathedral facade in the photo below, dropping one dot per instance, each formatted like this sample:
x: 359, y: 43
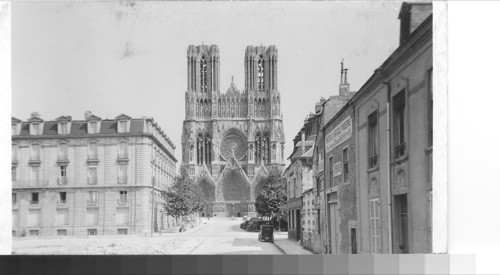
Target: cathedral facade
x: 231, y: 139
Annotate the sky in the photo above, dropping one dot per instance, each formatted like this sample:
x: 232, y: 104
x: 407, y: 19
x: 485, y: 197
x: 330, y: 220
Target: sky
x: 130, y: 57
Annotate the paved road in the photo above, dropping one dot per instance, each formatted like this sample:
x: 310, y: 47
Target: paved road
x: 224, y: 236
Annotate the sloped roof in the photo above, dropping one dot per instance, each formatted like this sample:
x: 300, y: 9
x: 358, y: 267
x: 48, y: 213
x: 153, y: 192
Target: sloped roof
x: 122, y: 117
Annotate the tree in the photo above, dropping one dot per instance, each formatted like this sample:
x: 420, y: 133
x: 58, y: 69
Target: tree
x: 271, y: 198
x: 184, y: 197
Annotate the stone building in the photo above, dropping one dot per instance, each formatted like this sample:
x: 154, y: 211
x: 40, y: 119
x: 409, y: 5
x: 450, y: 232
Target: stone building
x: 340, y: 182
x: 299, y: 176
x: 325, y: 111
x: 89, y: 177
x: 393, y: 130
x: 231, y: 139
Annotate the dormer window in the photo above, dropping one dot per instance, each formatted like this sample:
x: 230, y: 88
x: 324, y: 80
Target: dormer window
x: 122, y: 126
x: 36, y: 129
x: 93, y: 123
x: 93, y: 127
x: 16, y: 123
x: 14, y: 129
x: 36, y: 124
x: 123, y: 123
x: 63, y: 125
x: 64, y: 128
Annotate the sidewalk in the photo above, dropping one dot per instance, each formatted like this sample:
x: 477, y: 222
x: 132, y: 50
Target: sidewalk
x: 175, y: 229
x: 287, y: 246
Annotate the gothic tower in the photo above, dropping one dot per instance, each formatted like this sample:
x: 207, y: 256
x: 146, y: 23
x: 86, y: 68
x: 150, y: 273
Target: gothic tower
x: 231, y: 139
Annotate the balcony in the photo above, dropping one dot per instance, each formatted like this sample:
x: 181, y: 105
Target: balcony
x: 122, y: 202
x: 35, y: 161
x: 92, y: 181
x: 122, y: 180
x: 92, y: 160
x: 30, y: 183
x: 91, y: 202
x: 62, y: 159
x: 400, y: 150
x: 62, y: 181
x: 122, y: 158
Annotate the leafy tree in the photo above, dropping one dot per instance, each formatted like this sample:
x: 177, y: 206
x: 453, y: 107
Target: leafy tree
x: 271, y: 198
x: 183, y: 197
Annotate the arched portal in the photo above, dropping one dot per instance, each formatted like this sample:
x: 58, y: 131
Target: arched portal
x: 235, y: 187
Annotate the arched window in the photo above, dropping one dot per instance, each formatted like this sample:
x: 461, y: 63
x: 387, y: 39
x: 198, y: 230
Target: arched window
x: 265, y: 149
x: 260, y: 75
x: 208, y: 149
x: 219, y: 108
x: 258, y: 147
x: 203, y: 74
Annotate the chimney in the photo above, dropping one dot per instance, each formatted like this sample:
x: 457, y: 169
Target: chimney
x: 344, y: 85
x: 88, y: 114
x: 35, y: 115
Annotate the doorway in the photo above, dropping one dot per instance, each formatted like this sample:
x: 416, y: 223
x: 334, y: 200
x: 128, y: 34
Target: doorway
x: 401, y: 203
x: 298, y: 225
x: 229, y: 210
x: 334, y: 227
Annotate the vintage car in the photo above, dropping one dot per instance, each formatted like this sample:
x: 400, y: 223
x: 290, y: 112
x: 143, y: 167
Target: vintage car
x: 266, y: 233
x: 255, y: 225
x: 244, y: 224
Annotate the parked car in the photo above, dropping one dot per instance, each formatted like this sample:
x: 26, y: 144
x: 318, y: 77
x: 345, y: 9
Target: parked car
x: 255, y: 226
x: 244, y: 224
x: 266, y: 233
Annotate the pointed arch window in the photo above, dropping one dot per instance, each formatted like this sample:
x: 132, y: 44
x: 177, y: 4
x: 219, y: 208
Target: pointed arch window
x: 203, y: 74
x: 265, y: 149
x: 260, y: 73
x: 258, y: 148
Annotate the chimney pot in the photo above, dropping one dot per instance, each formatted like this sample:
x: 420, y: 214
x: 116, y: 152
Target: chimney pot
x: 87, y: 114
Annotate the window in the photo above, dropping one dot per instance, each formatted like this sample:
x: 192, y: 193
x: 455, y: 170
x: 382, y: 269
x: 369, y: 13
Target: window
x: 123, y: 197
x: 122, y: 231
x: 92, y: 197
x: 399, y: 124
x: 36, y: 128
x: 62, y: 232
x: 122, y: 173
x: 203, y: 74
x: 345, y: 161
x: 92, y: 176
x: 91, y: 232
x: 34, y: 198
x: 62, y: 171
x: 122, y: 150
x: 63, y: 151
x: 64, y: 128
x: 93, y: 150
x: 14, y: 152
x: 401, y: 203
x: 35, y: 174
x: 35, y: 152
x: 34, y: 233
x: 62, y: 197
x: 260, y: 76
x: 375, y: 236
x: 373, y: 140
x: 430, y: 109
x: 330, y: 163
x: 14, y: 129
x: 14, y: 198
x: 13, y: 171
x: 122, y: 126
x: 93, y: 127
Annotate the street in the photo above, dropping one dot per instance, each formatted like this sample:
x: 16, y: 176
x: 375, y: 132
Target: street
x: 224, y: 236
x: 218, y: 236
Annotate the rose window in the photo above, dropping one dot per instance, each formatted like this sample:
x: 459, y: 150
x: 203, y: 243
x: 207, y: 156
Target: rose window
x: 233, y: 145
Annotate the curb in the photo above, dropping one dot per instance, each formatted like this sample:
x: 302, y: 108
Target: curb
x: 194, y: 248
x: 279, y: 248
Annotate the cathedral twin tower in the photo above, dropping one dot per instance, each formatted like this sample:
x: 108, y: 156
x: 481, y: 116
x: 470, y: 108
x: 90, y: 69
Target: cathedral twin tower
x: 231, y: 139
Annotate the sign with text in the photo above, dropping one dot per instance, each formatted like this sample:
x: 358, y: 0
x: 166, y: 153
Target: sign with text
x: 339, y: 134
x: 337, y: 169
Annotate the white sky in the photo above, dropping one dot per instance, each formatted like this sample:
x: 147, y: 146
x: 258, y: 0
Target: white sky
x: 112, y: 58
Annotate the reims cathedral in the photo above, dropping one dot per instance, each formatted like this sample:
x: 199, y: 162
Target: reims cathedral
x: 231, y: 139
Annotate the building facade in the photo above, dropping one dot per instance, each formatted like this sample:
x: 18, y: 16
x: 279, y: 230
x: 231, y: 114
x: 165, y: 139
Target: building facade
x: 393, y: 131
x: 231, y: 139
x: 299, y: 176
x: 89, y: 177
x: 340, y: 182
